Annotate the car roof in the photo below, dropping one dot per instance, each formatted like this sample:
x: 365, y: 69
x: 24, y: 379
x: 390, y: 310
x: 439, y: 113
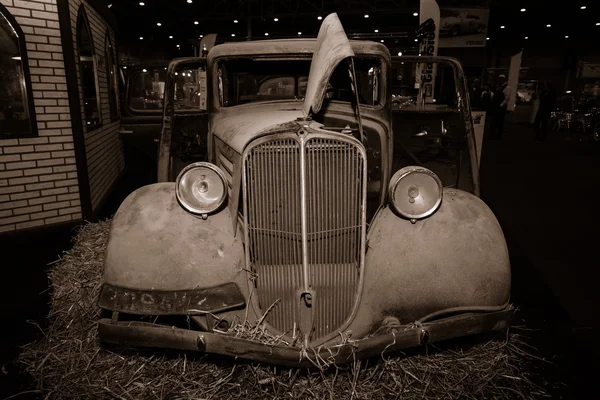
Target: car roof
x: 289, y: 46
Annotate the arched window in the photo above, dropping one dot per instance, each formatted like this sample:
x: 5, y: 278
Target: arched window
x: 16, y: 101
x: 111, y: 77
x: 88, y: 73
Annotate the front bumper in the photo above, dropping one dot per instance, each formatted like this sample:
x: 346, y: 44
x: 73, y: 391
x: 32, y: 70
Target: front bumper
x: 152, y: 335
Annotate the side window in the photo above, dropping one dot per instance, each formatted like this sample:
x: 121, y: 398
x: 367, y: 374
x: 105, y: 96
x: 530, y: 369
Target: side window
x: 190, y: 90
x: 87, y: 73
x: 16, y: 103
x: 111, y: 76
x: 147, y: 90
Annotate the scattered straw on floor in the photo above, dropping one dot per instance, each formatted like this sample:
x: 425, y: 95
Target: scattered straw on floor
x: 68, y: 363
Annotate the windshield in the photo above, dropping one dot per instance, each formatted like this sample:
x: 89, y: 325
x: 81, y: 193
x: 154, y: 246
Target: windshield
x: 245, y: 80
x: 147, y: 89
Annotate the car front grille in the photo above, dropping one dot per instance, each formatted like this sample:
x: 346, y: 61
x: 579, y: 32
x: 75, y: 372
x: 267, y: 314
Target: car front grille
x: 334, y: 173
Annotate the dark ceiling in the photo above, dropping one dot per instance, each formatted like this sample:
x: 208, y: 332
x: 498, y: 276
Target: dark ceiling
x: 394, y: 20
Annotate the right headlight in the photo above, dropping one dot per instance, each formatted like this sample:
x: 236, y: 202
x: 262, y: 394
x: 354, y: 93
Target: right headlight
x: 201, y: 188
x: 415, y: 192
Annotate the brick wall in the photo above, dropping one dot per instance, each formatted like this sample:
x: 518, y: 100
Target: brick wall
x: 38, y: 177
x: 104, y: 151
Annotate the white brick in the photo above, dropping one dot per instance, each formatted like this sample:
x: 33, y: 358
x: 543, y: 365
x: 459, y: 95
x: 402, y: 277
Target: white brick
x: 30, y: 224
x: 52, y: 177
x: 27, y: 210
x: 44, y: 214
x: 35, y: 156
x: 29, y: 4
x: 20, y: 165
x: 55, y: 220
x: 26, y: 195
x: 12, y: 220
x: 12, y: 204
x: 18, y: 149
x: 42, y: 200
x: 37, y: 171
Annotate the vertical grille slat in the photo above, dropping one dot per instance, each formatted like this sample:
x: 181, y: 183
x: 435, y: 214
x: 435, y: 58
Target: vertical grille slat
x: 334, y: 178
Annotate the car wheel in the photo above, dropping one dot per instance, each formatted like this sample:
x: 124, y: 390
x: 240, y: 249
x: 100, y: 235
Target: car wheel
x: 596, y: 132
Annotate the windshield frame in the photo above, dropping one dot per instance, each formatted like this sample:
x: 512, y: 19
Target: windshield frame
x: 216, y: 103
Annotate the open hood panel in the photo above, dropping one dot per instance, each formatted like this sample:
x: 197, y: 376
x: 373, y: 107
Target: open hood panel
x: 332, y: 47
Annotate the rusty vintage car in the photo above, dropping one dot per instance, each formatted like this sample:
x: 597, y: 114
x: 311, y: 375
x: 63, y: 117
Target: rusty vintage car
x: 296, y: 241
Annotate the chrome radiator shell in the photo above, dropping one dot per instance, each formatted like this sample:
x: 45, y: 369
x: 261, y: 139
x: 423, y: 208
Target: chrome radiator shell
x: 304, y: 201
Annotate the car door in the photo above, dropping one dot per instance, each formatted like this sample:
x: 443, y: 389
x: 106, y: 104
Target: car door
x: 142, y: 102
x: 185, y: 117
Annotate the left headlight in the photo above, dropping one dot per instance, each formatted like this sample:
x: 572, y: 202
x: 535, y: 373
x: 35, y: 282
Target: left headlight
x: 201, y: 188
x: 415, y: 192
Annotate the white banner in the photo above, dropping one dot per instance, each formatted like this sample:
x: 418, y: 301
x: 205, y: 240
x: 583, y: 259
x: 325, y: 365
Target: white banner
x: 513, y: 79
x: 429, y: 10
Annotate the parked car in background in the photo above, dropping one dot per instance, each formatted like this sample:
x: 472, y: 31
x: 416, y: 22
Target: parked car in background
x: 457, y: 23
x: 302, y: 224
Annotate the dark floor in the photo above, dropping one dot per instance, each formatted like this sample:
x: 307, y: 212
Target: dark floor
x: 543, y: 195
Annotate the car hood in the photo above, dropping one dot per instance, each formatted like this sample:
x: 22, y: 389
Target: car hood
x: 239, y: 125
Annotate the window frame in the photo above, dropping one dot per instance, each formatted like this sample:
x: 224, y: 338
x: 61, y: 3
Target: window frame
x: 109, y: 48
x: 83, y: 19
x: 29, y: 103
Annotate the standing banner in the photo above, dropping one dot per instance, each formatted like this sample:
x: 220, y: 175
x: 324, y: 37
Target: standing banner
x: 429, y: 32
x: 463, y: 27
x: 513, y: 79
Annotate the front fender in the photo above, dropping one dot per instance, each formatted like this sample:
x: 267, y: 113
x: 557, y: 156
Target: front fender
x: 455, y: 260
x: 155, y: 245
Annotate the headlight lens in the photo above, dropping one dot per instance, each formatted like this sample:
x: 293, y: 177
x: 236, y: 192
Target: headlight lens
x: 201, y: 188
x: 415, y: 192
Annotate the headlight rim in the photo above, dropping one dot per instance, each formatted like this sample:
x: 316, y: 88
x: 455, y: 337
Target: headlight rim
x: 402, y: 173
x: 190, y: 208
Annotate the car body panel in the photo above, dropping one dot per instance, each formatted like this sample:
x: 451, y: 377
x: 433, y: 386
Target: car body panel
x: 332, y: 47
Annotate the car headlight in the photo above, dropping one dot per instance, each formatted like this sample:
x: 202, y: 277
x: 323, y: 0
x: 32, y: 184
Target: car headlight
x: 201, y: 188
x: 415, y: 192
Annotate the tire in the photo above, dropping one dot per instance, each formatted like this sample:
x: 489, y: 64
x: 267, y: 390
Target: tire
x: 596, y: 132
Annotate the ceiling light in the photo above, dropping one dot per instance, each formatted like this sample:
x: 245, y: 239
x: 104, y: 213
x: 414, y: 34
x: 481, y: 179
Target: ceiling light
x: 275, y: 19
x: 381, y: 40
x: 177, y: 45
x: 142, y: 3
x: 299, y: 33
x: 189, y: 1
x: 171, y: 37
x: 400, y: 53
x: 176, y: 73
x: 523, y: 9
x: 16, y: 58
x: 415, y: 14
x: 526, y: 37
x: 235, y: 21
x: 416, y: 40
x: 566, y: 36
x: 124, y: 66
x: 583, y: 7
x: 502, y: 27
x: 487, y: 38
x: 196, y: 22
x: 366, y: 15
x: 201, y: 36
x: 568, y: 91
x: 548, y: 26
x: 233, y: 35
x: 144, y: 70
x: 597, y: 23
x: 266, y: 33
x: 376, y: 30
x: 319, y: 18
x: 158, y: 24
x: 110, y: 5
x: 141, y: 38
